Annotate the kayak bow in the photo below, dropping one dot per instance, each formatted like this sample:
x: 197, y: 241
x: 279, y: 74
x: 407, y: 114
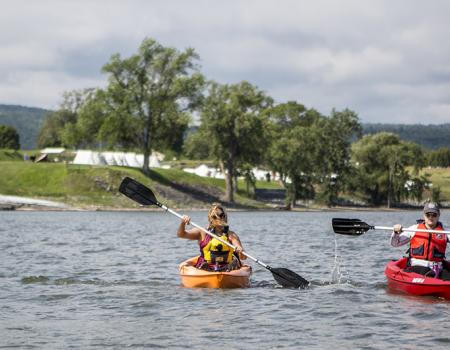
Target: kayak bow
x: 192, y: 277
x: 414, y: 283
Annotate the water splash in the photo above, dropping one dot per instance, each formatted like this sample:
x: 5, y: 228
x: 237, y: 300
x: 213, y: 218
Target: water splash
x: 337, y: 275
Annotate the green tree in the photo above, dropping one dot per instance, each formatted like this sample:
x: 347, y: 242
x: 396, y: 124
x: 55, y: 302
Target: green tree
x: 436, y: 194
x: 90, y: 117
x: 295, y: 150
x: 416, y: 186
x: 338, y: 132
x: 9, y: 138
x: 197, y: 146
x: 381, y: 162
x: 148, y: 97
x: 59, y: 127
x: 233, y: 122
x: 439, y: 158
x: 50, y: 134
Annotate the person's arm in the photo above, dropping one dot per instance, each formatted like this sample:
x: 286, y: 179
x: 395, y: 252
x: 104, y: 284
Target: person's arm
x: 193, y: 234
x: 399, y: 238
x: 234, y: 239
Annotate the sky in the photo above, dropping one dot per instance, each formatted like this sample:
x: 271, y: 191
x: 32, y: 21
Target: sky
x: 389, y: 61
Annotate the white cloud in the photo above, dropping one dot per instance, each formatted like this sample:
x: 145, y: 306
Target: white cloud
x: 41, y: 88
x: 438, y: 113
x: 386, y: 60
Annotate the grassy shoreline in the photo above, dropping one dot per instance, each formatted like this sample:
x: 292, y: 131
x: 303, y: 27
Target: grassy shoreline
x: 96, y: 187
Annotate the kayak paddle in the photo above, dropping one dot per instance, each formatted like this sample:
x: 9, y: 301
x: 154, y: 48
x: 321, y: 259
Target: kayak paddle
x: 143, y: 195
x: 356, y: 227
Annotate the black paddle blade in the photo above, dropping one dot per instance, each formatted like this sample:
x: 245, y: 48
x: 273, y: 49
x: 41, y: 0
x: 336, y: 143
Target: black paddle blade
x: 351, y: 227
x: 137, y: 192
x: 288, y: 278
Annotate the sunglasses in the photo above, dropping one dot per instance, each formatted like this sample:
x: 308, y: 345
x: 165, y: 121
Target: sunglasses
x: 431, y: 215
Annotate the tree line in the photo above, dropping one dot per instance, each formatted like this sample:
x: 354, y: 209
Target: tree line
x: 152, y: 96
x: 431, y: 136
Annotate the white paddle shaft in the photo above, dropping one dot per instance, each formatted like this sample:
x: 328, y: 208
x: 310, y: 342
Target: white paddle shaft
x: 410, y: 229
x: 215, y: 236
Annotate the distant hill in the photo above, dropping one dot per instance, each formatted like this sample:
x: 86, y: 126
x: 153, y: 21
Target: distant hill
x: 26, y: 120
x: 429, y: 136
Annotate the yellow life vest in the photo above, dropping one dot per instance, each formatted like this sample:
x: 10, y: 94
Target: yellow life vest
x: 215, y: 252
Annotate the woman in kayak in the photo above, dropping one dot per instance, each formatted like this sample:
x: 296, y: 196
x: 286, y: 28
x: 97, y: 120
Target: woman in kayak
x: 214, y: 255
x: 427, y: 250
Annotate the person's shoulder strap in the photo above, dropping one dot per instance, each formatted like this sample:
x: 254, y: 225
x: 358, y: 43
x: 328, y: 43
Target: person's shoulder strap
x: 203, y: 243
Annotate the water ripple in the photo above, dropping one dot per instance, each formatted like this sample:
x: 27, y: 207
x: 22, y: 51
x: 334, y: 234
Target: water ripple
x: 84, y: 280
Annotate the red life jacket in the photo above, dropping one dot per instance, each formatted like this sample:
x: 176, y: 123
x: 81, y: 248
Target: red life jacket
x: 428, y: 246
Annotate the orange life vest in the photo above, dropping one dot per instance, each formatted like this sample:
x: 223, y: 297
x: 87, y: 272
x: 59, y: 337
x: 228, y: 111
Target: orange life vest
x: 428, y: 246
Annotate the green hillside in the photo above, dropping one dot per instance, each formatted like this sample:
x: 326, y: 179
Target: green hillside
x: 429, y: 136
x: 97, y: 187
x: 440, y: 177
x: 26, y: 120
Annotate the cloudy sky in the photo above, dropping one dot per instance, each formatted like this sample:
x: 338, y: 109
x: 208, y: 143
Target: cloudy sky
x: 389, y: 61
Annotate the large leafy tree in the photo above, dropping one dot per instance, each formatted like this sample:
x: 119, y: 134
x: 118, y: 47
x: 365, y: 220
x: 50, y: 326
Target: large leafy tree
x: 148, y: 97
x: 338, y: 132
x: 295, y: 148
x: 234, y: 123
x: 145, y: 105
x: 309, y: 149
x: 382, y: 162
x: 9, y: 138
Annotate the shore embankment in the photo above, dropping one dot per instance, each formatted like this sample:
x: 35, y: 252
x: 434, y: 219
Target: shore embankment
x: 58, y: 186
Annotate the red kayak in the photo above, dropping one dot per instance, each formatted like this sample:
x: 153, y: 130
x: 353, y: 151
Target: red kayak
x: 413, y: 283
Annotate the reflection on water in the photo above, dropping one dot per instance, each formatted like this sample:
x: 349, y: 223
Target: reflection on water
x: 110, y: 280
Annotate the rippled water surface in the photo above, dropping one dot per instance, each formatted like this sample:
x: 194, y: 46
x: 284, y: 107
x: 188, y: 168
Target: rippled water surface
x: 110, y: 280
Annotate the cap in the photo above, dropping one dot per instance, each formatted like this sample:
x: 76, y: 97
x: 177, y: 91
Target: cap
x: 431, y: 207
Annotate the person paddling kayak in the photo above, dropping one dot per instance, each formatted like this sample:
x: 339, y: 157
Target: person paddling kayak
x: 214, y: 255
x: 427, y: 250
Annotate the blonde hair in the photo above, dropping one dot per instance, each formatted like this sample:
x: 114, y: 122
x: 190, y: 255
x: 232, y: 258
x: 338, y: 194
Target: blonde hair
x: 217, y: 216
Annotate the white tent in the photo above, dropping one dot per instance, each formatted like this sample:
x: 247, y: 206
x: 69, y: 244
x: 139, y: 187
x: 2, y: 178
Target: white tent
x: 51, y: 150
x: 205, y: 171
x: 109, y: 158
x: 114, y: 158
x: 131, y: 160
x: 119, y: 157
x: 97, y: 159
x: 154, y: 162
x: 86, y: 157
x: 260, y: 174
x: 140, y: 159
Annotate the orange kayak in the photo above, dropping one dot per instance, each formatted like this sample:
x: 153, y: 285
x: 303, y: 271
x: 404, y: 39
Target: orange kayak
x: 191, y: 277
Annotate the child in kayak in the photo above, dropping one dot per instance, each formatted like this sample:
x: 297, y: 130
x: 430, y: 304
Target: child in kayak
x: 214, y: 255
x: 427, y: 250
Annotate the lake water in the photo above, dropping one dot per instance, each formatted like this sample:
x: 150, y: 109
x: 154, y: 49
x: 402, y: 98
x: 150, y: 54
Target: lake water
x: 94, y: 280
